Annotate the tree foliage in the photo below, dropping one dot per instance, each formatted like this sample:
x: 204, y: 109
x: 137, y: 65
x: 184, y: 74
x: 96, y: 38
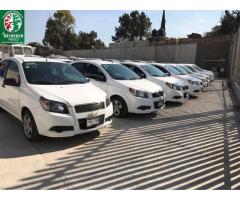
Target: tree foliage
x: 35, y: 44
x: 89, y: 40
x: 60, y: 33
x: 229, y: 23
x: 131, y: 26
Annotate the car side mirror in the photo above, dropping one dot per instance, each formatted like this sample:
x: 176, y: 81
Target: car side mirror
x: 168, y: 74
x: 100, y: 78
x: 11, y: 82
x: 142, y: 75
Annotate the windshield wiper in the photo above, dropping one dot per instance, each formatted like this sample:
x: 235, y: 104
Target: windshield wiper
x: 72, y: 82
x: 43, y: 82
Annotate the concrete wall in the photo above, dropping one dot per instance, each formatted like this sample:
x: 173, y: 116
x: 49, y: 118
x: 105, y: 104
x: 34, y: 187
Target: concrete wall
x: 176, y: 51
x: 165, y: 53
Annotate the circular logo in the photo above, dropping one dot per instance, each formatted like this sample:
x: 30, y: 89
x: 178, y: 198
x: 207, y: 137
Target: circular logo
x: 12, y: 22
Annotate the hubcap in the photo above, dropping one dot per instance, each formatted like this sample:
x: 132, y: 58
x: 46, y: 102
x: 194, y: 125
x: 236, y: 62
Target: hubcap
x: 117, y: 107
x: 27, y: 126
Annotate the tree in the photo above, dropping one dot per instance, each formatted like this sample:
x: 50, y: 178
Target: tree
x: 229, y: 24
x: 133, y: 25
x: 89, y: 41
x: 57, y: 28
x: 35, y: 44
x: 194, y: 35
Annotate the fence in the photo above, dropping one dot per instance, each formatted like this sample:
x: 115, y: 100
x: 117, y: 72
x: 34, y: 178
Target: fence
x: 234, y: 58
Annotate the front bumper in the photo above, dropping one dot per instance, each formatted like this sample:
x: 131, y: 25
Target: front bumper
x: 194, y: 90
x: 177, y: 96
x: 50, y: 124
x: 146, y: 105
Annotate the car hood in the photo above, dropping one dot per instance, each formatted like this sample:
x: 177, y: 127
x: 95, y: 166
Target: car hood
x: 172, y: 80
x: 141, y: 84
x: 73, y: 94
x: 189, y: 77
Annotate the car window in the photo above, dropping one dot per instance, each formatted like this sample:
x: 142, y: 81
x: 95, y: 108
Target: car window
x: 94, y: 72
x: 181, y: 70
x: 18, y: 50
x: 189, y: 71
x: 80, y: 67
x: 120, y: 72
x: 50, y: 73
x: 3, y: 66
x: 173, y: 70
x: 27, y: 51
x: 138, y: 71
x: 162, y: 69
x: 153, y: 71
x: 13, y: 71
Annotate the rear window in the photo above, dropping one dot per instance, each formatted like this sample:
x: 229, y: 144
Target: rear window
x: 18, y: 51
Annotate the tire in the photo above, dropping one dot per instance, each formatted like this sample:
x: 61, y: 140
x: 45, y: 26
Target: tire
x: 120, y: 109
x: 29, y: 127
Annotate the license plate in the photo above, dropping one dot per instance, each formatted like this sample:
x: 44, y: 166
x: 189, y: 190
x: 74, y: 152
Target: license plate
x: 92, y: 122
x: 160, y: 103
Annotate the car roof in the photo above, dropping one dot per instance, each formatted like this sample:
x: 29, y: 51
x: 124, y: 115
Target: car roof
x: 135, y: 63
x: 22, y: 59
x: 93, y: 61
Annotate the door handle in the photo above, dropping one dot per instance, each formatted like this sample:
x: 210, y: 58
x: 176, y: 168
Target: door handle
x: 3, y: 85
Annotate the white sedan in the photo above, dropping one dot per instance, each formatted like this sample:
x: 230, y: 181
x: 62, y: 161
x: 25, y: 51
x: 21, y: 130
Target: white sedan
x: 52, y: 98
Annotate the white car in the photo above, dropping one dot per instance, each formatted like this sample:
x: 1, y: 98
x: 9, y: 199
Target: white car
x: 186, y: 72
x: 128, y: 92
x: 176, y: 90
x: 194, y: 73
x: 195, y: 84
x: 201, y: 71
x: 52, y: 98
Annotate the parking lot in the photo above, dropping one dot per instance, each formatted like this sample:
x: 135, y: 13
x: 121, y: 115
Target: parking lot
x: 189, y: 146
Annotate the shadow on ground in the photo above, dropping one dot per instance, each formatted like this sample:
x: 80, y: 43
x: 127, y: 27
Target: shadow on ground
x: 187, y: 151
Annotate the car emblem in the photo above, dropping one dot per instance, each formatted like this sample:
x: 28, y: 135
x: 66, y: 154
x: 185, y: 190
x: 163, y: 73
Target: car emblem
x: 91, y: 115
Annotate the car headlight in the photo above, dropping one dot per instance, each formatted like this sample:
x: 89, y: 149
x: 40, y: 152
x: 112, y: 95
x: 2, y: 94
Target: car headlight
x: 108, y: 102
x: 173, y: 86
x: 53, y: 106
x: 138, y: 93
x: 191, y: 82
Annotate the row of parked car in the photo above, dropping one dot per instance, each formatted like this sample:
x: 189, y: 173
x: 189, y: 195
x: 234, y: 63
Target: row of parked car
x: 58, y: 97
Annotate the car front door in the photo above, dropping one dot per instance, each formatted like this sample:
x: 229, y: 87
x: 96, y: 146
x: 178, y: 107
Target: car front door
x: 3, y: 67
x: 97, y: 76
x: 9, y: 93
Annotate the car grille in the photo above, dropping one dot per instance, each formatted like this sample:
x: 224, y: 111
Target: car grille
x: 185, y: 87
x: 158, y: 94
x: 89, y: 107
x: 83, y: 122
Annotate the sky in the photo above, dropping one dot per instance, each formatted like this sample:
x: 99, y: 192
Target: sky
x: 179, y: 23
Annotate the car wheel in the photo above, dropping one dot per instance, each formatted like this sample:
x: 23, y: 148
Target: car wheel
x: 119, y: 107
x: 29, y: 127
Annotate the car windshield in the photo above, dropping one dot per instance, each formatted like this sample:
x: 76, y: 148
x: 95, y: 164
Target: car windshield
x: 183, y: 71
x: 197, y: 67
x: 27, y: 51
x: 120, y: 72
x: 17, y: 50
x: 189, y: 71
x: 52, y: 73
x: 192, y: 68
x: 153, y: 71
x: 174, y: 70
